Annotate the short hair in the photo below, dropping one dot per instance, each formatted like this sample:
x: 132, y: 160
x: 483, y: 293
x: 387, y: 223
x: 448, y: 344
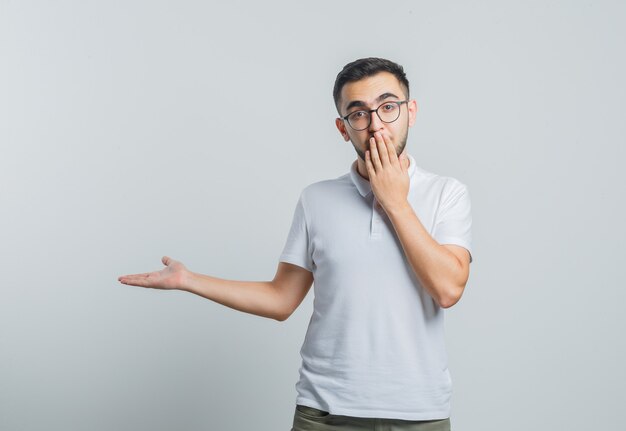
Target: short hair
x: 364, y: 68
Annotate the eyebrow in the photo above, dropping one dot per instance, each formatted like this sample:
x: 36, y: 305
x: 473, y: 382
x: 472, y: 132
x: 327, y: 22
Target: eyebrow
x: 360, y: 103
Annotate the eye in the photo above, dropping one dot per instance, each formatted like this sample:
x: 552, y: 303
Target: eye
x: 358, y: 115
x: 389, y: 107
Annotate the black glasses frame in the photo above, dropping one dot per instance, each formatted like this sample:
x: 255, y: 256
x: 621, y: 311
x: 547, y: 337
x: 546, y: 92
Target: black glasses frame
x: 369, y: 122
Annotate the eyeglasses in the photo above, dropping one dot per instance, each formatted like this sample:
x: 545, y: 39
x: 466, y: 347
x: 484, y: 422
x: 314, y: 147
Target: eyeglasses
x: 388, y: 112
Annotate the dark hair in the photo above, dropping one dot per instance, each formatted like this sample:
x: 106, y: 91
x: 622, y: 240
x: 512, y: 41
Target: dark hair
x: 364, y: 68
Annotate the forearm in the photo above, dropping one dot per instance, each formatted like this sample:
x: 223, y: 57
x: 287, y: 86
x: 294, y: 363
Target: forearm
x: 255, y: 297
x: 437, y: 269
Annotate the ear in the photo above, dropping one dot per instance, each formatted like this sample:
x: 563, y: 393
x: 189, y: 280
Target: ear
x: 341, y: 126
x: 412, y: 105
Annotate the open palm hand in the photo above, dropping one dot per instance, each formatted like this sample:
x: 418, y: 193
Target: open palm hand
x: 170, y: 277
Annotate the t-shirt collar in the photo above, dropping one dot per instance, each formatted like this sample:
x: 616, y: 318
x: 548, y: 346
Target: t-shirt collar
x: 363, y: 185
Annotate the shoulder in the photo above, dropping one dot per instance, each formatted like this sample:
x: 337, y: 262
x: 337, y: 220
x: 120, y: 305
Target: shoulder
x: 326, y: 189
x: 444, y: 185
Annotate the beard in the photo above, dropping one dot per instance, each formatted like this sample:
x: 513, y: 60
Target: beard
x: 399, y: 149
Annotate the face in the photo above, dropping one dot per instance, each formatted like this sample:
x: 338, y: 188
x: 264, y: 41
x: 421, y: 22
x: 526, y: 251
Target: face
x: 370, y: 93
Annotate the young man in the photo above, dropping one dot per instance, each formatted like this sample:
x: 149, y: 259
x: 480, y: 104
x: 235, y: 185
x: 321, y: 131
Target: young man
x: 388, y: 245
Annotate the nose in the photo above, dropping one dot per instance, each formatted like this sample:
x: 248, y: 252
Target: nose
x: 375, y: 123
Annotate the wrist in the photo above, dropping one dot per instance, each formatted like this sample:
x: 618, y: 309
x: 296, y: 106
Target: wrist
x: 399, y: 209
x: 187, y: 281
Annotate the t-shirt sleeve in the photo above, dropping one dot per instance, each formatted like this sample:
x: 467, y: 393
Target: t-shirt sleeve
x: 297, y: 247
x: 454, y: 218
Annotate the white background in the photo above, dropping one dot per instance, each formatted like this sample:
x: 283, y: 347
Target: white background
x: 130, y: 130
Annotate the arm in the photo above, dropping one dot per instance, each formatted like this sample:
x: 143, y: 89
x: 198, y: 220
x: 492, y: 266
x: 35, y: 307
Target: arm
x: 275, y: 299
x: 442, y: 270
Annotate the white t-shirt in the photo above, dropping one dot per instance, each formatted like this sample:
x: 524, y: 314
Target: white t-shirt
x: 375, y: 342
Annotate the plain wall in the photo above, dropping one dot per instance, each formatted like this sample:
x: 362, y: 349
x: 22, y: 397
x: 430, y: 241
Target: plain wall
x: 130, y: 130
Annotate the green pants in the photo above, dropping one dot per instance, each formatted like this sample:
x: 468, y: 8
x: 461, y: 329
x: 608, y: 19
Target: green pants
x: 311, y: 419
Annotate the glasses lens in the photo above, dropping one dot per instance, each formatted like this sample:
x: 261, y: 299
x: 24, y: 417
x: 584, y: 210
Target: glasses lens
x: 389, y: 112
x: 359, y: 120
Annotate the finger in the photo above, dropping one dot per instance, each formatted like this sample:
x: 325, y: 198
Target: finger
x: 374, y: 155
x: 405, y: 163
x: 383, y: 152
x: 144, y: 280
x: 166, y: 260
x: 368, y: 164
x: 145, y: 274
x: 133, y: 278
x: 391, y: 151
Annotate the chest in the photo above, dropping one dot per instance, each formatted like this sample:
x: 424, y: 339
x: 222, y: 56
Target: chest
x: 355, y: 230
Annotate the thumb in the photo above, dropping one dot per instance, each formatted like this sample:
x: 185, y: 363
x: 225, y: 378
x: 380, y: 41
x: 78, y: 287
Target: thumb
x: 405, y: 162
x: 166, y: 260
